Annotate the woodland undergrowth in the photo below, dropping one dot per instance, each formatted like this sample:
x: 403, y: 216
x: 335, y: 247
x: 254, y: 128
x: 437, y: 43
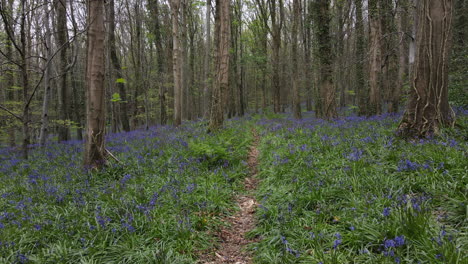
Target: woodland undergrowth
x: 341, y: 191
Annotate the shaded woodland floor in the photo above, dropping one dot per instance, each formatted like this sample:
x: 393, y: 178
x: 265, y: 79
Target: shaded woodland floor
x: 262, y: 190
x: 233, y: 238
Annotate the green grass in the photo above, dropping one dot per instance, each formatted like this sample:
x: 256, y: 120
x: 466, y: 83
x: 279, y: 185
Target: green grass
x: 341, y: 192
x: 345, y: 191
x: 161, y: 205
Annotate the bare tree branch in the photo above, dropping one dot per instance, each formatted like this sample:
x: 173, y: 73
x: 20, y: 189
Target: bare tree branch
x: 11, y: 113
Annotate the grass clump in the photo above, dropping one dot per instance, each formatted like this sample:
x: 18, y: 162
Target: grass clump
x: 348, y: 191
x: 159, y: 206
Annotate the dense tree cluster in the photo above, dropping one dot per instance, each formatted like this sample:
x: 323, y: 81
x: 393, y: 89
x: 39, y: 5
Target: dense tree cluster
x: 165, y: 61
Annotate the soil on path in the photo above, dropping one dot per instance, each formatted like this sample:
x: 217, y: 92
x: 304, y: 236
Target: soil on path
x: 232, y: 238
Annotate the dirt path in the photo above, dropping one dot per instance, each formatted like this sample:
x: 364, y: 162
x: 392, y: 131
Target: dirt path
x: 233, y: 237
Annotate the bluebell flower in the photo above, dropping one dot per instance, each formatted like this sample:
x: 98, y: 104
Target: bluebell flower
x: 407, y: 165
x: 386, y: 212
x: 312, y: 235
x: 389, y: 243
x: 354, y: 155
x: 293, y: 252
x: 399, y: 241
x: 364, y: 251
x: 21, y: 258
x: 336, y: 243
x: 190, y: 187
x: 283, y: 240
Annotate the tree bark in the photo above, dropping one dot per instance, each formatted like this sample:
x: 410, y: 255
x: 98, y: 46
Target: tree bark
x: 78, y: 104
x: 361, y: 87
x: 307, y: 56
x: 138, y: 66
x: 95, y: 152
x: 412, y: 44
x: 222, y: 64
x: 375, y: 104
x: 9, y: 74
x: 428, y: 108
x: 295, y: 81
x: 63, y: 90
x: 177, y: 62
x: 396, y: 92
x: 239, y: 78
x: 325, y: 56
x: 277, y: 25
x: 207, y: 82
x: 184, y: 101
x: 155, y: 13
x: 25, y: 80
x: 389, y: 54
x: 45, y: 103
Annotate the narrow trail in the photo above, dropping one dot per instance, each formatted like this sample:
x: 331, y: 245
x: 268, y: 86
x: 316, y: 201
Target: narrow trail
x: 233, y: 237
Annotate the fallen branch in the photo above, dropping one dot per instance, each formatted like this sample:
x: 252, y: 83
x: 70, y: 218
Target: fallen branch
x: 113, y: 157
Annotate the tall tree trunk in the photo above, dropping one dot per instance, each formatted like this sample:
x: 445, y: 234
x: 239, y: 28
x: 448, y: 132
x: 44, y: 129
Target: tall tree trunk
x: 45, y: 104
x: 325, y: 56
x: 339, y: 69
x: 207, y: 82
x: 388, y: 51
x: 78, y: 105
x: 234, y: 61
x: 396, y: 92
x: 177, y: 62
x: 137, y: 63
x: 95, y: 152
x: 63, y: 90
x: 412, y: 44
x: 361, y: 87
x: 25, y: 81
x: 183, y: 59
x: 190, y: 96
x: 428, y: 108
x: 375, y: 104
x: 295, y: 81
x: 9, y: 74
x: 118, y: 69
x: 276, y: 24
x: 222, y: 63
x: 307, y: 56
x: 240, y: 65
x: 155, y: 13
x: 263, y: 41
x: 240, y: 79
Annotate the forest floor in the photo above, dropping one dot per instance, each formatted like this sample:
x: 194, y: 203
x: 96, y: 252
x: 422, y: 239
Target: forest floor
x: 233, y: 237
x: 264, y: 189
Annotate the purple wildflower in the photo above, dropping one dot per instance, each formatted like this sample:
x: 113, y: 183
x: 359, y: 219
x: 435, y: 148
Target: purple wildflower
x: 399, y: 241
x: 386, y: 212
x: 389, y: 243
x: 336, y: 243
